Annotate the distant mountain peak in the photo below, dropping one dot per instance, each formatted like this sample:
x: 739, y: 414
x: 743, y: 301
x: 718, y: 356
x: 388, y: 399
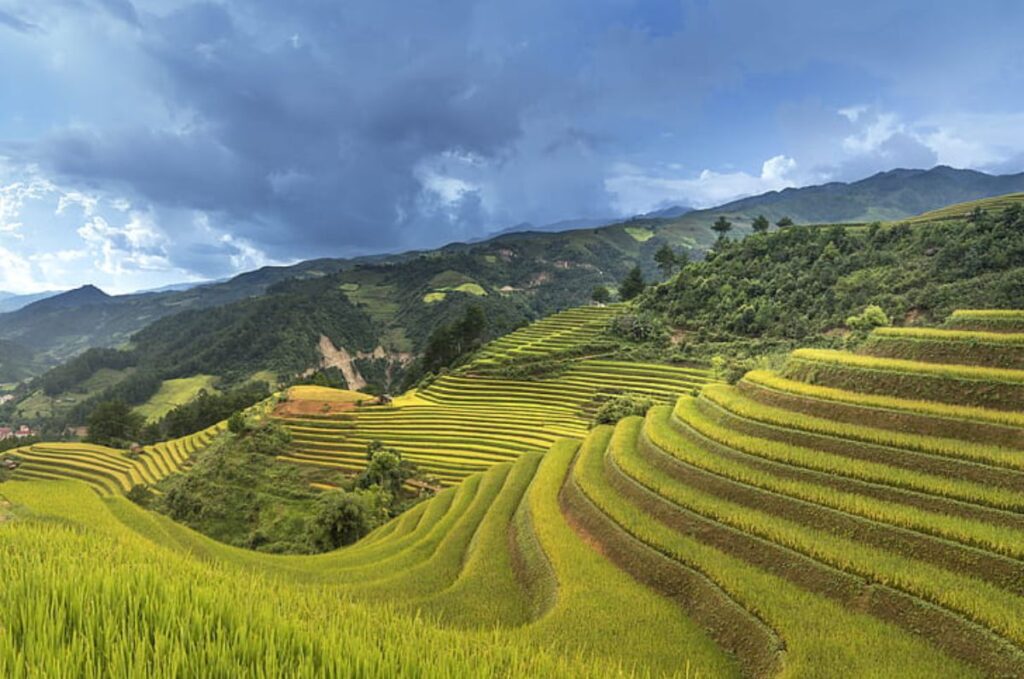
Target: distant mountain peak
x: 87, y: 294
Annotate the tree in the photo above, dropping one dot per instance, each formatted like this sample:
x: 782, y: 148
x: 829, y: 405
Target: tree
x: 624, y: 405
x: 872, y: 317
x: 341, y: 518
x: 760, y: 224
x: 236, y: 423
x: 721, y: 226
x: 113, y: 423
x: 666, y: 260
x: 449, y: 341
x: 784, y: 222
x: 386, y: 469
x: 601, y: 294
x: 632, y: 285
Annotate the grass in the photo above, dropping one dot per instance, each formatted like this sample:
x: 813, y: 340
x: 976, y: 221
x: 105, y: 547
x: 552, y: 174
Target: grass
x: 833, y: 464
x: 173, y: 393
x: 822, y: 638
x: 960, y: 210
x: 466, y: 421
x: 958, y: 592
x: 471, y: 289
x: 110, y: 602
x: 596, y: 602
x: 639, y: 233
x: 982, y: 386
x: 658, y: 429
x: 311, y: 392
x: 853, y: 515
x: 731, y: 400
x: 440, y: 293
x: 884, y: 402
x: 106, y: 470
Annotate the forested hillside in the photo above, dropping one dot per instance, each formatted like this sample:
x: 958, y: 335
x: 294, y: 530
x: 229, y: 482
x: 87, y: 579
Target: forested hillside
x: 799, y: 283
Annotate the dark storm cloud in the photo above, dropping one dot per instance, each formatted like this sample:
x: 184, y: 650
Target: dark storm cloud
x: 323, y: 127
x: 308, y: 125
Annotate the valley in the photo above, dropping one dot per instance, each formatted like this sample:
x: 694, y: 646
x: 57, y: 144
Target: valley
x: 718, y: 494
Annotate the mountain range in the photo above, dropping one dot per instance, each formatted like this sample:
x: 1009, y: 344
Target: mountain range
x: 518, y: 265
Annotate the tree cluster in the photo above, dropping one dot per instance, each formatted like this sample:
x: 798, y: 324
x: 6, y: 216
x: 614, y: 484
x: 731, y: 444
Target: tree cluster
x: 798, y: 283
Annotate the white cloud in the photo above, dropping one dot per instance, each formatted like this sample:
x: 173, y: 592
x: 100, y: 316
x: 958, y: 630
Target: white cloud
x: 975, y: 140
x: 246, y: 256
x: 16, y: 273
x: 852, y: 113
x: 139, y: 245
x: 242, y: 254
x: 777, y: 169
x: 872, y: 136
x: 14, y: 196
x: 991, y: 142
x: 636, y: 191
x: 86, y: 202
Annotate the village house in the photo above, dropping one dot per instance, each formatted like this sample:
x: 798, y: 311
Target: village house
x: 24, y: 431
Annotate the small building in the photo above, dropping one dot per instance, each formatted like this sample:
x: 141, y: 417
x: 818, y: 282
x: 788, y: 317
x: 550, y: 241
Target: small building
x: 6, y: 433
x: 76, y: 432
x: 24, y: 431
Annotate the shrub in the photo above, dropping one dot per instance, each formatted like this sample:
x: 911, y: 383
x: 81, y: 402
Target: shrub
x: 236, y: 423
x: 622, y: 406
x: 872, y: 317
x: 140, y: 494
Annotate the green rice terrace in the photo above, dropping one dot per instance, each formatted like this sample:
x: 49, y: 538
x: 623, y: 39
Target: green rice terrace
x: 849, y: 514
x: 466, y: 421
x: 106, y: 470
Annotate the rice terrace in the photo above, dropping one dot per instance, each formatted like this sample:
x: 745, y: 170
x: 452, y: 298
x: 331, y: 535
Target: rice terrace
x: 507, y: 341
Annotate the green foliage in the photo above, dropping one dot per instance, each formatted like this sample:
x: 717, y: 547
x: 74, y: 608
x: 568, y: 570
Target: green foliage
x: 236, y: 423
x: 79, y: 369
x: 113, y: 423
x: 730, y: 369
x: 722, y: 226
x: 623, y: 405
x: 632, y: 285
x: 601, y: 294
x: 798, y: 284
x: 278, y: 332
x: 760, y: 224
x: 199, y: 609
x: 342, y: 517
x: 450, y: 342
x: 872, y: 317
x: 140, y: 494
x: 784, y: 222
x: 667, y: 260
x: 638, y: 327
x: 386, y: 469
x: 207, y: 409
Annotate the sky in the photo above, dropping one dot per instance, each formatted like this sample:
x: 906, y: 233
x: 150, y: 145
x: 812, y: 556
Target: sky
x: 149, y: 142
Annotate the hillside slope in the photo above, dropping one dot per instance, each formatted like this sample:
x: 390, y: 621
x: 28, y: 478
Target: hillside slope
x: 885, y: 196
x: 853, y: 514
x: 799, y: 283
x: 574, y: 261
